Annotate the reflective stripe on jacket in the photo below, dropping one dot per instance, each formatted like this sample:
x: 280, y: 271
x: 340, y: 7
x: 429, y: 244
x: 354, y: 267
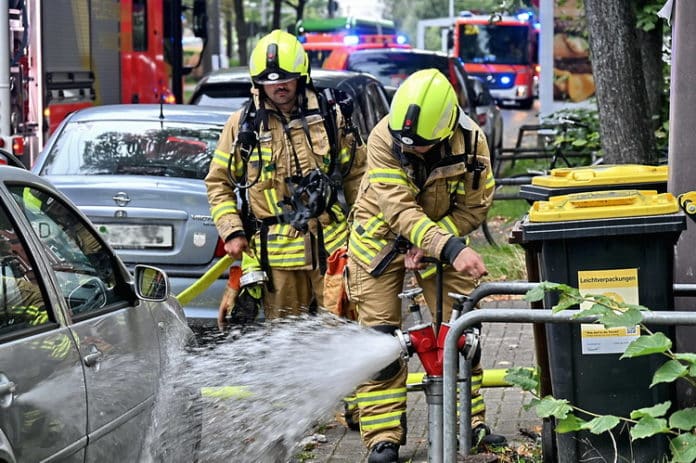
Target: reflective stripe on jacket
x: 390, y: 203
x: 267, y: 168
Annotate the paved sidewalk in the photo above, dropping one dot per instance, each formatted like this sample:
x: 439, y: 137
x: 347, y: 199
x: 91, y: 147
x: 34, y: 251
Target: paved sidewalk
x: 505, y: 345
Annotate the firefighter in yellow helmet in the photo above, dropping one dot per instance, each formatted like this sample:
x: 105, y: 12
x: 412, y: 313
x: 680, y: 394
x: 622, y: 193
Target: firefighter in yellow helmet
x: 428, y: 183
x: 284, y: 176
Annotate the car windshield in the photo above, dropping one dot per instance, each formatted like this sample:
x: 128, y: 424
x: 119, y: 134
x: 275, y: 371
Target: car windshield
x: 393, y: 68
x: 494, y: 44
x: 231, y: 96
x: 120, y: 147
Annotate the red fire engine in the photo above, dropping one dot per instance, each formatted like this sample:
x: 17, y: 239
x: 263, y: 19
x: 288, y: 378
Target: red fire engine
x: 320, y: 37
x: 69, y: 54
x: 503, y: 51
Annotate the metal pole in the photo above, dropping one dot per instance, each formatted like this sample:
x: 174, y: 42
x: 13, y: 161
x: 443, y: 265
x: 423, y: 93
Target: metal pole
x: 481, y: 291
x: 451, y: 354
x: 5, y: 71
x: 433, y: 396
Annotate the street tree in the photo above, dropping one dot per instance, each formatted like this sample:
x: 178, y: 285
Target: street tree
x: 622, y: 98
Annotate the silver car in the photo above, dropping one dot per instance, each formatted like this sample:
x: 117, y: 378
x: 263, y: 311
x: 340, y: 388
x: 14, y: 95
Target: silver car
x: 82, y: 342
x: 137, y: 172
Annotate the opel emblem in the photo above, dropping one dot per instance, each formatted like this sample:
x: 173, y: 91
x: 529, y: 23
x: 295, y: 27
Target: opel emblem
x: 121, y: 199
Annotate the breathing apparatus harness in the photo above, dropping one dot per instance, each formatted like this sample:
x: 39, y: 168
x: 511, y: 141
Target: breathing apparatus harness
x: 310, y: 195
x: 421, y: 169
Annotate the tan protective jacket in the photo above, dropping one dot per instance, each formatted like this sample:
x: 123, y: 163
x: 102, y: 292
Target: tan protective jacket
x: 390, y: 203
x: 287, y: 247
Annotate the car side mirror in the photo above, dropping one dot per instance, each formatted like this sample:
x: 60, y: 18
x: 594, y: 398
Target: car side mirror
x: 484, y: 99
x: 151, y: 283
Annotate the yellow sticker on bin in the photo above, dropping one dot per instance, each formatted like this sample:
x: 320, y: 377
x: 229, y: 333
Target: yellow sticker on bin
x: 608, y: 175
x: 603, y: 205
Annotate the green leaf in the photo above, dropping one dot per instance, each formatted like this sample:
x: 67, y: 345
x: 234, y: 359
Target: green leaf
x: 648, y: 426
x: 639, y: 307
x: 565, y: 301
x: 595, y: 309
x: 570, y: 423
x: 683, y: 448
x: 654, y: 411
x: 690, y: 360
x: 532, y: 404
x: 601, y: 424
x: 648, y: 344
x: 684, y: 419
x: 548, y: 406
x: 535, y: 294
x: 628, y: 318
x: 668, y: 372
x: 686, y: 356
x: 524, y: 378
x: 579, y: 143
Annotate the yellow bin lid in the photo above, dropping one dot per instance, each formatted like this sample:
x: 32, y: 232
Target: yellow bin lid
x: 602, y: 205
x: 601, y: 175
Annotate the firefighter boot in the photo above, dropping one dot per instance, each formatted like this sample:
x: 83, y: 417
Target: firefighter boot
x: 481, y: 438
x: 384, y: 452
x: 351, y: 413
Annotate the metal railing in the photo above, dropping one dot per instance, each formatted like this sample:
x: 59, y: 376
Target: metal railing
x: 502, y: 315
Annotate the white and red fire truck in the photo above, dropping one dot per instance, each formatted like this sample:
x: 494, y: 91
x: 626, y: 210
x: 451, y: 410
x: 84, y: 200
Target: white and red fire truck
x: 63, y: 55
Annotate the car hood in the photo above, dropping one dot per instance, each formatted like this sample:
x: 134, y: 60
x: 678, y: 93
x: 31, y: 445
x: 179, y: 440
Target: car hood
x: 178, y: 207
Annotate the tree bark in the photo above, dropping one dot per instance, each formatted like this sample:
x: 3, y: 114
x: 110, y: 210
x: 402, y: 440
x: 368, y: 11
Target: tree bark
x: 276, y: 14
x: 651, y: 56
x: 622, y: 101
x: 299, y: 8
x: 240, y: 26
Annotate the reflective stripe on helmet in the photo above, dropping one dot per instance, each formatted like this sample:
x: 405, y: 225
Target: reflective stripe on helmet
x: 278, y: 57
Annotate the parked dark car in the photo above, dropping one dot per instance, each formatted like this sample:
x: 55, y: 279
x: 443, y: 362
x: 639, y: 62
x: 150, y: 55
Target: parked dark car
x: 488, y: 116
x: 226, y: 88
x: 83, y: 343
x: 137, y: 172
x: 391, y: 66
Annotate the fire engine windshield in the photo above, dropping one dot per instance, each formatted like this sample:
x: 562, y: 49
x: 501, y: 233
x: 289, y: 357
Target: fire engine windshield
x: 133, y: 148
x: 499, y: 44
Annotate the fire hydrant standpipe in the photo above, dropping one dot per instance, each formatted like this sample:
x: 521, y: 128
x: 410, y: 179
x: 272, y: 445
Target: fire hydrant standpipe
x: 427, y: 340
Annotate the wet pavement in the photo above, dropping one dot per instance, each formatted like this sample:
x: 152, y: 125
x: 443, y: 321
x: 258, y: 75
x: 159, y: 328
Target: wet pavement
x: 505, y: 345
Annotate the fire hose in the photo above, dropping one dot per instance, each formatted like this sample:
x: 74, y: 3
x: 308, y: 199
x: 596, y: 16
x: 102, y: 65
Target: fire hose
x: 207, y: 279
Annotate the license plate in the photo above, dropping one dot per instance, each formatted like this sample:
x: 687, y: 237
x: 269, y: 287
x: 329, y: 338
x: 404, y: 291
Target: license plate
x: 137, y: 236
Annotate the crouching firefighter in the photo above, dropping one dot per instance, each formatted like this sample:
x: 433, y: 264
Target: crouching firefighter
x: 284, y: 175
x: 428, y: 183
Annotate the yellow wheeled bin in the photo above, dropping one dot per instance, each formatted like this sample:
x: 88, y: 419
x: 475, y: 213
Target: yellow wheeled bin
x: 570, y: 180
x: 617, y: 243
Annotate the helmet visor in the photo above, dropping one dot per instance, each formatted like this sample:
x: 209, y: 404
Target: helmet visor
x: 275, y: 77
x: 408, y: 133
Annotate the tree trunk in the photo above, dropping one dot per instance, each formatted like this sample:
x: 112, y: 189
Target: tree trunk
x: 651, y: 56
x: 276, y: 14
x: 622, y: 101
x: 240, y: 26
x: 299, y: 8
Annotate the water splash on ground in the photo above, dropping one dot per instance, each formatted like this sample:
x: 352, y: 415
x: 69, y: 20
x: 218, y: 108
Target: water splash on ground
x: 263, y: 389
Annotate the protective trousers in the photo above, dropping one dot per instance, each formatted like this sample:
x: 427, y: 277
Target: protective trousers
x: 295, y: 292
x: 382, y: 401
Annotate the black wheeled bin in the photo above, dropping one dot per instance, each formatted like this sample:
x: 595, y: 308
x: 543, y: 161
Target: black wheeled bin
x: 570, y: 180
x: 617, y: 243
